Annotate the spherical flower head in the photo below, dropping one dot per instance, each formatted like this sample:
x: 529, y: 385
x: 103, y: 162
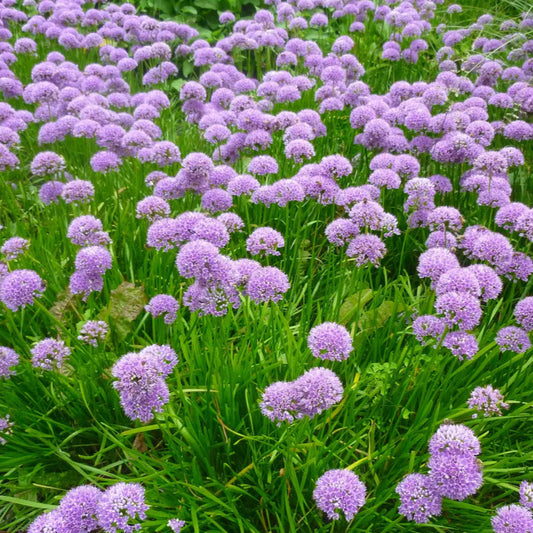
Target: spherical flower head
x: 366, y: 248
x: 461, y: 344
x: 524, y: 225
x: 508, y: 215
x: 456, y: 439
x: 175, y: 524
x: 14, y: 247
x: 489, y: 282
x: 19, y: 288
x: 232, y: 221
x: 47, y: 164
x: 77, y: 191
x: 330, y: 341
x: 418, y: 500
x: 152, y: 208
x: 435, y: 262
x: 93, y: 261
x: 298, y: 150
x: 8, y: 359
x: 318, y: 389
x: 512, y: 519
x: 120, y: 508
x: 455, y: 476
x: 263, y: 165
x: 78, y: 508
x: 50, y: 192
x: 487, y: 400
x: 336, y: 166
x: 367, y: 214
x: 87, y: 230
x: 445, y: 218
x: 93, y: 332
x: 523, y: 313
x: 211, y: 230
x: 427, y: 327
x: 52, y: 522
x: 163, y: 304
x: 458, y: 280
x: 526, y: 494
x: 215, y: 200
x: 197, y: 259
x: 49, y: 354
x: 279, y: 402
x: 513, y: 339
x: 265, y: 241
x: 339, y: 490
x: 267, y: 284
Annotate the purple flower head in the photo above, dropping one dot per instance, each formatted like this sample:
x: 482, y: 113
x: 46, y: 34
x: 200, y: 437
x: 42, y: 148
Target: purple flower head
x: 486, y: 400
x: 455, y: 476
x: 336, y: 166
x: 461, y: 344
x: 265, y: 241
x: 445, y: 218
x: 366, y: 248
x: 512, y: 519
x: 526, y: 494
x: 215, y: 200
x: 19, y: 288
x: 212, y: 231
x: 267, y: 284
x: 78, y: 508
x: 198, y: 259
x: 49, y: 354
x: 339, y: 490
x: 175, y: 524
x: 77, y: 191
x: 524, y: 225
x: 83, y: 283
x: 52, y: 522
x: 523, y: 313
x: 317, y: 389
x: 87, y: 230
x: 120, y: 508
x: 455, y: 439
x: 513, y: 339
x: 8, y: 358
x: 279, y: 402
x: 435, y: 262
x: 458, y: 280
x: 93, y: 332
x: 262, y: 165
x: 508, y: 215
x: 460, y: 309
x: 418, y: 500
x: 14, y: 247
x: 330, y: 341
x: 441, y: 239
x: 367, y: 214
x: 384, y: 177
x: 163, y: 304
x: 152, y: 208
x: 93, y: 260
x: 428, y: 327
x: 47, y: 164
x: 299, y: 149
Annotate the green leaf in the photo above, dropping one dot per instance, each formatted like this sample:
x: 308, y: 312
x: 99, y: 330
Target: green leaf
x: 206, y: 4
x: 354, y: 303
x: 189, y: 9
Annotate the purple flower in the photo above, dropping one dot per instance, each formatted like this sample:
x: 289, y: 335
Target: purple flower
x: 298, y: 150
x: 336, y: 166
x: 330, y: 341
x: 8, y: 358
x: 78, y: 508
x: 487, y: 400
x: 523, y: 312
x: 120, y: 508
x: 49, y: 354
x: 265, y: 241
x: 489, y: 282
x: 93, y: 260
x: 512, y: 519
x: 93, y: 331
x: 339, y: 490
x: 435, y: 262
x: 267, y: 284
x: 526, y: 494
x: 105, y: 161
x: 366, y: 248
x: 14, y: 247
x: 215, y: 200
x: 152, y: 208
x: 199, y: 259
x: 175, y: 524
x: 19, y: 288
x: 50, y: 192
x: 232, y: 221
x: 456, y: 439
x: 52, y: 522
x: 418, y: 500
x: 461, y: 344
x: 367, y: 214
x: 163, y: 304
x: 87, y: 230
x: 383, y: 177
x: 513, y: 339
x: 428, y: 326
x: 279, y: 402
x: 262, y: 165
x: 47, y: 164
x: 77, y: 191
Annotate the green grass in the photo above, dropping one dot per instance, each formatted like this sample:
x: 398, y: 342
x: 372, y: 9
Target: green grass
x: 212, y: 458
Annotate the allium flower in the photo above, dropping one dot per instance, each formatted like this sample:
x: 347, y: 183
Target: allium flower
x: 330, y: 341
x: 512, y: 519
x: 152, y: 208
x: 366, y: 248
x: 526, y: 494
x: 298, y: 150
x: 489, y: 282
x: 49, y: 354
x: 77, y: 191
x: 445, y: 218
x: 435, y: 262
x: 52, y: 522
x: 455, y: 476
x: 50, y: 192
x: 418, y: 500
x: 523, y: 312
x: 163, y: 304
x: 279, y: 402
x: 232, y: 221
x: 8, y: 358
x: 215, y: 200
x: 5, y: 429
x: 339, y: 490
x: 267, y: 284
x: 93, y: 261
x: 14, y: 247
x: 175, y: 524
x: 265, y: 241
x: 458, y: 280
x: 198, y: 259
x: 461, y: 344
x: 513, y: 339
x: 428, y: 326
x: 487, y: 400
x: 47, y: 164
x: 456, y: 439
x: 93, y: 331
x: 78, y: 508
x: 19, y: 288
x: 262, y: 165
x: 318, y: 389
x: 120, y: 508
x: 87, y: 230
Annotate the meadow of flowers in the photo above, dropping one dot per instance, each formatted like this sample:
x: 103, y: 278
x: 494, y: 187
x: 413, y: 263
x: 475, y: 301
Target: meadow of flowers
x: 277, y: 278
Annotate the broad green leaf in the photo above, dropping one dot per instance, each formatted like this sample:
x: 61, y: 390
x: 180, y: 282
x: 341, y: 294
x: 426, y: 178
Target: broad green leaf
x: 354, y: 303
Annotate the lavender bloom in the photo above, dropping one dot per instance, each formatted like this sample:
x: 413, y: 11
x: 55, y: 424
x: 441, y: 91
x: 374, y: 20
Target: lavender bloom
x: 330, y: 341
x: 152, y: 208
x: 298, y: 150
x: 418, y: 500
x: 50, y: 192
x: 77, y: 191
x: 445, y: 218
x: 489, y: 282
x: 339, y: 490
x: 215, y: 200
x: 526, y: 494
x: 93, y: 260
x: 435, y: 262
x: 19, y: 288
x: 458, y: 280
x: 461, y: 344
x: 93, y: 332
x: 441, y: 239
x: 52, y: 522
x: 175, y: 524
x: 5, y: 429
x: 508, y: 215
x: 8, y: 359
x: 120, y: 507
x: 428, y: 326
x: 163, y: 304
x: 486, y: 400
x: 267, y: 284
x: 512, y: 519
x: 87, y: 230
x: 14, y: 247
x: 524, y: 224
x: 513, y: 339
x: 199, y: 259
x: 78, y: 509
x: 456, y: 439
x: 523, y: 312
x: 383, y: 177
x: 279, y: 402
x: 262, y: 165
x: 47, y: 164
x: 265, y: 241
x: 49, y: 354
x: 366, y: 248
